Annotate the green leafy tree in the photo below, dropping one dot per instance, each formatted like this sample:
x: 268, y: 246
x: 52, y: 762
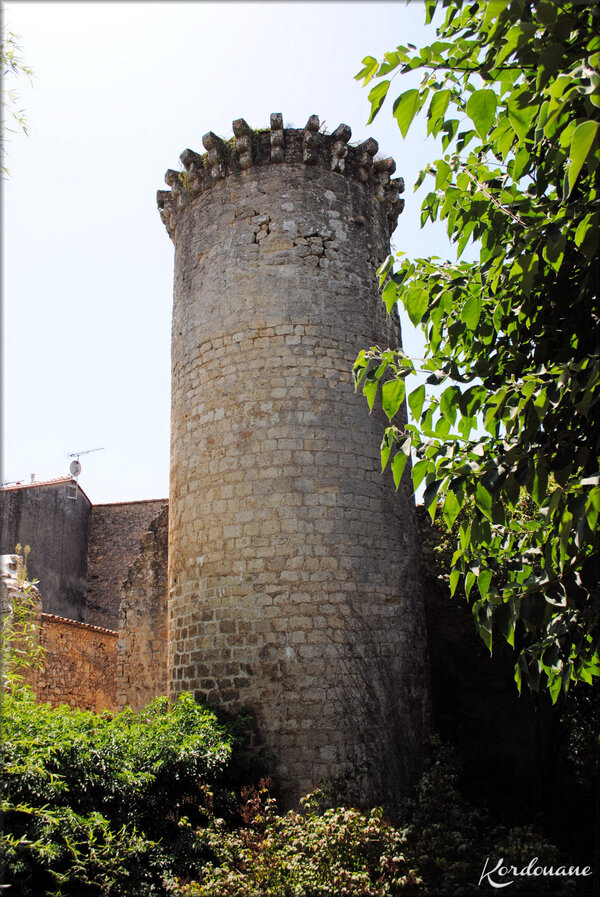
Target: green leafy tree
x: 511, y: 87
x: 101, y: 805
x: 12, y: 68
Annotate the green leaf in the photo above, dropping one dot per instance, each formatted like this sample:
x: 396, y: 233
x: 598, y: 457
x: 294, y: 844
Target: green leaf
x: 384, y: 269
x: 521, y: 671
x: 554, y: 686
x: 376, y: 97
x: 586, y: 235
x: 471, y: 312
x: 398, y: 464
x: 469, y: 582
x: 449, y: 403
x: 415, y: 401
x: 386, y: 448
x: 494, y: 8
x: 451, y: 508
x: 540, y: 485
x: 521, y: 162
x: 504, y: 619
x: 370, y: 391
x: 392, y: 396
x: 370, y: 66
x: 430, y: 495
x: 483, y: 582
x: 521, y: 112
x: 549, y: 64
x: 483, y: 618
x: 390, y: 295
x: 406, y: 107
x: 418, y: 472
x: 582, y: 142
x: 442, y: 427
x: 359, y: 371
x: 415, y: 301
x: 454, y: 580
x: 481, y: 109
x: 442, y: 175
x: 437, y: 110
x: 483, y: 500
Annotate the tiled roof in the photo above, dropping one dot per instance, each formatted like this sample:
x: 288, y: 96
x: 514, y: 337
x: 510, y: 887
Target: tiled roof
x: 52, y: 482
x: 36, y: 483
x: 70, y: 622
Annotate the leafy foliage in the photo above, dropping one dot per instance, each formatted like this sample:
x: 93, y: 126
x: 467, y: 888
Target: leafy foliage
x: 20, y: 647
x: 341, y: 852
x: 310, y: 853
x: 101, y: 805
x: 452, y: 839
x: 12, y: 67
x: 142, y: 805
x: 512, y: 89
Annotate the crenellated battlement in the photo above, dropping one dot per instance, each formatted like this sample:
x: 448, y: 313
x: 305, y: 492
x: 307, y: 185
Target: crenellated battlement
x: 249, y: 149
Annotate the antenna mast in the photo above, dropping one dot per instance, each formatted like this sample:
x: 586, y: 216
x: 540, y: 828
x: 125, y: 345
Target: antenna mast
x: 75, y: 470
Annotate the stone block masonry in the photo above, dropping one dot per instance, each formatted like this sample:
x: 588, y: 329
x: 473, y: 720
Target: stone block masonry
x: 142, y: 655
x: 78, y: 661
x: 114, y: 542
x: 293, y: 565
x: 79, y: 665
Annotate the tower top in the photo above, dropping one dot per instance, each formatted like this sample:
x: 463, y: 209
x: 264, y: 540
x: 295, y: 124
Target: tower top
x: 249, y: 149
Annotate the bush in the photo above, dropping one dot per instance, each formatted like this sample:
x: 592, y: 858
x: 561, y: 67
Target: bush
x: 451, y: 840
x: 312, y: 853
x: 145, y: 805
x: 100, y: 802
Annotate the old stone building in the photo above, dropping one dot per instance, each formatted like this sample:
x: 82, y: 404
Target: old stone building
x: 293, y: 581
x: 104, y: 632
x: 293, y: 564
x: 44, y: 515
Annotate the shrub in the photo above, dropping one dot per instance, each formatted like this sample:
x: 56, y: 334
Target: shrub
x: 450, y: 839
x: 93, y: 802
x: 311, y: 853
x: 143, y: 805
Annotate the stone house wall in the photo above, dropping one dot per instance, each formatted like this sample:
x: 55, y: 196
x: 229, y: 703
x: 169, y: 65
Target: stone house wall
x: 44, y: 516
x: 79, y: 665
x: 142, y: 654
x: 115, y: 533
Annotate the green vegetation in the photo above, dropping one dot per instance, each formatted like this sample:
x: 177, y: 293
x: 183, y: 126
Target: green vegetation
x: 158, y: 803
x: 138, y: 805
x: 93, y: 802
x: 12, y: 68
x: 20, y: 648
x: 512, y: 89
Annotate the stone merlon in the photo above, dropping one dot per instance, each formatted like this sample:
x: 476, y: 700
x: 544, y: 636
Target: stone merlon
x: 296, y: 146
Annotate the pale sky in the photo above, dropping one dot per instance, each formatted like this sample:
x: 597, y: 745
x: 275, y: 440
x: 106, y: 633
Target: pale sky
x: 120, y: 90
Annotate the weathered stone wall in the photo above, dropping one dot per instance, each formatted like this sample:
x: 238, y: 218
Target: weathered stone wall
x: 115, y: 533
x: 43, y: 516
x: 293, y: 564
x: 142, y: 655
x: 79, y: 665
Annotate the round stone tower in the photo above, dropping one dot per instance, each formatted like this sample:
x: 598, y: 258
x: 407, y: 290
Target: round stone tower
x: 293, y: 563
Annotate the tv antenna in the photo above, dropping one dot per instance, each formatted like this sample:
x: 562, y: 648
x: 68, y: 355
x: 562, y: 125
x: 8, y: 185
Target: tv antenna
x: 75, y: 470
